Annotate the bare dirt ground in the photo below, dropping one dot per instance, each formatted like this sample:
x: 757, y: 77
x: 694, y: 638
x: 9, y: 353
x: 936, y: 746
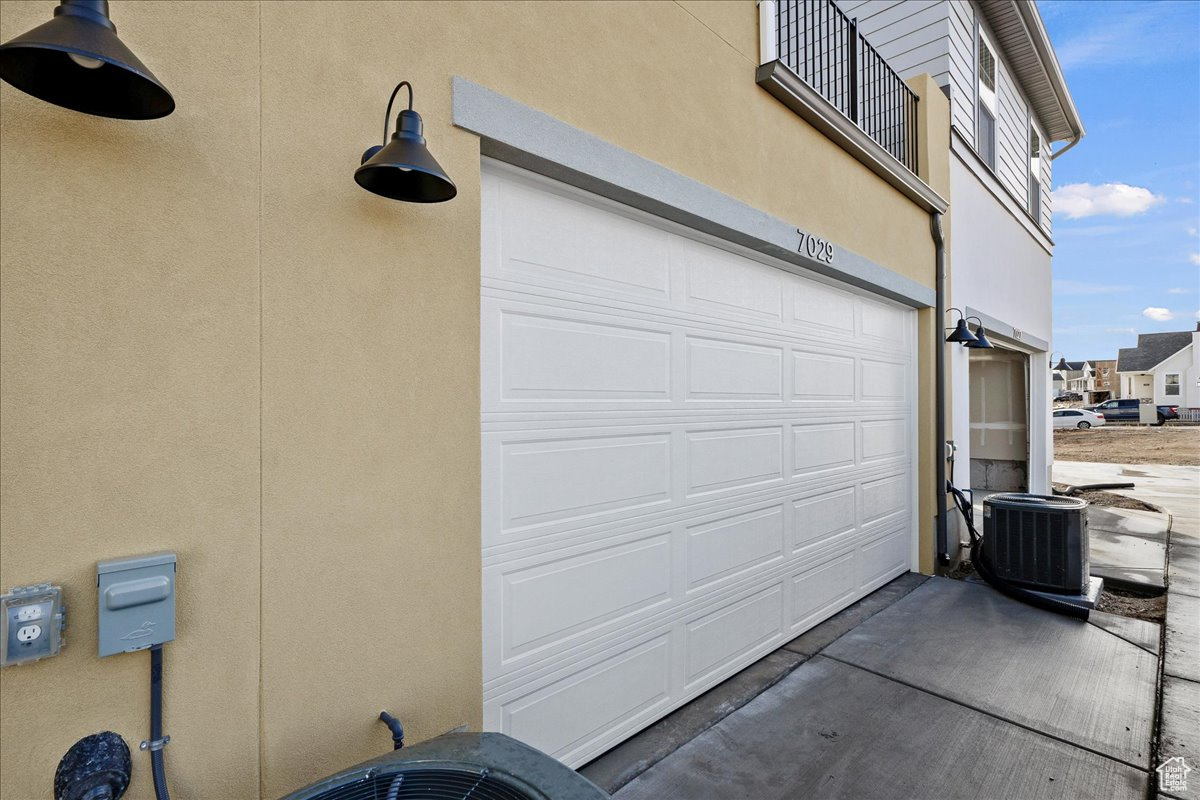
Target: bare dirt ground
x: 1099, y: 497
x: 1130, y: 444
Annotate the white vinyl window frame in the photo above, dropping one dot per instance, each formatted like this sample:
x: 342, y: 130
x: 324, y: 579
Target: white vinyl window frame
x: 1171, y: 384
x: 986, y: 76
x: 1037, y: 144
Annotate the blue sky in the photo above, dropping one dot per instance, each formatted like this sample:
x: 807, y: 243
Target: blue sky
x: 1127, y: 198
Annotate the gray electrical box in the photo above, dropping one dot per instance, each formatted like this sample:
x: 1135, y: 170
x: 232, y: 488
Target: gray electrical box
x: 136, y: 602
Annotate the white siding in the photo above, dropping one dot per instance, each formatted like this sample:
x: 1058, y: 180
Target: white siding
x: 962, y: 67
x: 909, y: 34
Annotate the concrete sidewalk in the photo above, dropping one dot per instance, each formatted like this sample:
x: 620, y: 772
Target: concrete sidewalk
x: 1177, y: 490
x: 951, y: 691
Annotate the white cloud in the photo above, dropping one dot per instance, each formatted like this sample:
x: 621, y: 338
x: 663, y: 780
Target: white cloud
x: 1078, y: 200
x: 1157, y: 314
x: 1063, y: 287
x: 1195, y: 259
x: 1130, y: 331
x: 1193, y: 232
x: 1178, y: 290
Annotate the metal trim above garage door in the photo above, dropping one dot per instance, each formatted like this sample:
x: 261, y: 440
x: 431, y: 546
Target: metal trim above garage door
x: 689, y: 457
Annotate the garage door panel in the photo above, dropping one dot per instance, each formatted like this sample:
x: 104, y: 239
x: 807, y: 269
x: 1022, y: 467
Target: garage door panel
x: 736, y: 467
x: 552, y: 358
x: 822, y: 590
x: 820, y: 517
x: 588, y: 591
x: 884, y: 497
x: 883, y: 322
x: 733, y: 458
x: 553, y: 479
x: 815, y: 305
x: 718, y: 549
x: 822, y: 377
x: 882, y: 380
x: 882, y: 559
x: 550, y: 240
x: 722, y: 283
x: 568, y: 714
x: 689, y: 456
x: 724, y: 369
x: 883, y: 439
x: 723, y: 637
x: 822, y: 446
x: 540, y: 358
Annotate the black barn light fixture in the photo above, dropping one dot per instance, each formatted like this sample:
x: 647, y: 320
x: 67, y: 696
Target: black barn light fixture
x: 981, y: 341
x: 403, y: 168
x: 961, y: 333
x: 1061, y: 366
x: 77, y: 61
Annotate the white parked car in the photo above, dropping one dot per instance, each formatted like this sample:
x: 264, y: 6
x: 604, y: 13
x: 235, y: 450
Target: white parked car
x: 1077, y: 418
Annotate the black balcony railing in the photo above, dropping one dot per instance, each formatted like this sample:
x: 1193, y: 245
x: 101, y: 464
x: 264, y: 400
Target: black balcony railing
x: 822, y: 45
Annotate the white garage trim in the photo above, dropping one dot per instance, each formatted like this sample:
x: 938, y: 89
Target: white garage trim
x: 517, y: 134
x: 690, y: 455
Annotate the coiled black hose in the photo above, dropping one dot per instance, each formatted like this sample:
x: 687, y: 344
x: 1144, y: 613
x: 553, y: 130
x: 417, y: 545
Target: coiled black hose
x: 985, y: 570
x: 158, y: 768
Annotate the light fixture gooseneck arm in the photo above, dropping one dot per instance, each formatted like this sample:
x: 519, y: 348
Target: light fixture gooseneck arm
x: 387, y: 117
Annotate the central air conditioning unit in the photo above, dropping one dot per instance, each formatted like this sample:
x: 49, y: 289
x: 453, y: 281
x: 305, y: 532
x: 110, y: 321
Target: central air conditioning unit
x: 457, y: 766
x: 1037, y: 541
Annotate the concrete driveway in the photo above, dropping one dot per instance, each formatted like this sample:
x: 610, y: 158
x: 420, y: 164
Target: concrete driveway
x: 951, y: 691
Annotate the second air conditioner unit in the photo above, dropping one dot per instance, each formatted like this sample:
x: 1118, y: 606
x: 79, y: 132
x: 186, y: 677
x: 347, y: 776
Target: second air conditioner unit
x: 1037, y: 541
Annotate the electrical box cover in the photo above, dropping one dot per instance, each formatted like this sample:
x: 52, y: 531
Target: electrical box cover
x: 31, y: 624
x: 136, y: 602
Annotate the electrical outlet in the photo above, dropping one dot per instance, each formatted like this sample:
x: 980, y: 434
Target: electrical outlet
x: 29, y: 633
x: 31, y: 624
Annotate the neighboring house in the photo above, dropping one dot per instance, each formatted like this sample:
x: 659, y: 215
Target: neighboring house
x: 1164, y: 368
x: 1009, y: 102
x: 1072, y: 379
x: 650, y: 397
x: 1104, y: 384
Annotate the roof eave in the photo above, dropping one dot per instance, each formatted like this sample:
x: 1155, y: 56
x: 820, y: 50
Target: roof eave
x: 1070, y: 126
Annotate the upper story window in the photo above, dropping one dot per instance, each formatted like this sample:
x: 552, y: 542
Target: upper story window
x: 1171, y: 383
x: 985, y: 112
x: 1035, y: 173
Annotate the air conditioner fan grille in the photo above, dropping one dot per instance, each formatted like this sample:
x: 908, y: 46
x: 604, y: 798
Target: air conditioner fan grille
x: 427, y: 784
x: 1037, y: 501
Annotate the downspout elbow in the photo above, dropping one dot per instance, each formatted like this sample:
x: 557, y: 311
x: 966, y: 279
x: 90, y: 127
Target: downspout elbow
x: 1078, y: 138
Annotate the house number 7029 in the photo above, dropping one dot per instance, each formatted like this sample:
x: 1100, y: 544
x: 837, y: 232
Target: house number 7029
x: 813, y: 247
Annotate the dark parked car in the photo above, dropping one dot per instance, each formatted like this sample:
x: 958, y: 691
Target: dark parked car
x: 1067, y: 397
x: 1127, y: 411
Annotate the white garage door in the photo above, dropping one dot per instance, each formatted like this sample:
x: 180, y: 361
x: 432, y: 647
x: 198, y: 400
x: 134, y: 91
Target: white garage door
x: 689, y: 458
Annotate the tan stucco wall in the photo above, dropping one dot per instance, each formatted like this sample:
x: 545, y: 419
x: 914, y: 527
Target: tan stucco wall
x: 214, y: 342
